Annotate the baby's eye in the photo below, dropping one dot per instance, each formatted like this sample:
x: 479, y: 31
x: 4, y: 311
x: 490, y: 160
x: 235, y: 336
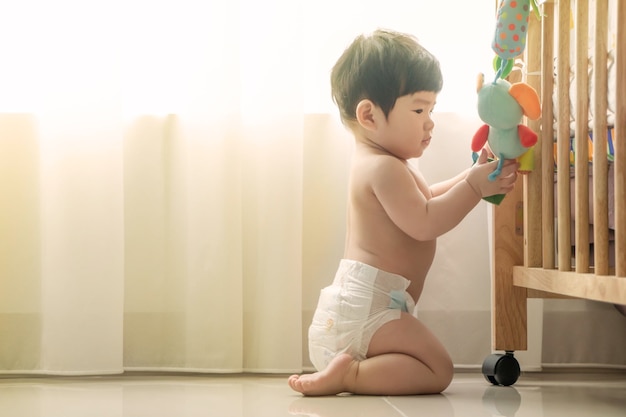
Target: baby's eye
x: 419, y: 111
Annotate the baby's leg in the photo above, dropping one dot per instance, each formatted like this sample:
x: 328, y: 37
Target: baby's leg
x: 404, y: 358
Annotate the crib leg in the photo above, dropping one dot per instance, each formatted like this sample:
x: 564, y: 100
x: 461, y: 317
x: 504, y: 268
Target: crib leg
x: 509, y: 309
x: 501, y: 369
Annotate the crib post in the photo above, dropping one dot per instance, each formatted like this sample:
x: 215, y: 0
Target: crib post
x: 620, y: 146
x: 509, y: 310
x: 512, y: 217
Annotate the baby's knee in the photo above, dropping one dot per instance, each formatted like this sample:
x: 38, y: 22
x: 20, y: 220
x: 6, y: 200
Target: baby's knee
x: 443, y: 377
x: 446, y: 375
x: 446, y: 379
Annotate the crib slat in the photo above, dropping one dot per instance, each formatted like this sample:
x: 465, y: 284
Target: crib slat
x: 600, y: 163
x: 532, y: 181
x: 547, y: 136
x: 562, y: 130
x: 620, y: 144
x: 581, y: 167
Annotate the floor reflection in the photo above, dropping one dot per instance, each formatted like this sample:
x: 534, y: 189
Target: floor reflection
x: 535, y: 395
x: 365, y: 406
x: 502, y: 401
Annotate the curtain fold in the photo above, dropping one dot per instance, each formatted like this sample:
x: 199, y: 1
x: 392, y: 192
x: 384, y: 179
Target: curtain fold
x: 20, y: 254
x: 62, y: 258
x: 156, y: 248
x: 222, y: 216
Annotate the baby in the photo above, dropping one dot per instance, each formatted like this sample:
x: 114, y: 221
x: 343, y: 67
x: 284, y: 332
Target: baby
x: 364, y: 338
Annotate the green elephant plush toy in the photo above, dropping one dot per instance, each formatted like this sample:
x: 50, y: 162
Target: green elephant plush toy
x: 501, y: 105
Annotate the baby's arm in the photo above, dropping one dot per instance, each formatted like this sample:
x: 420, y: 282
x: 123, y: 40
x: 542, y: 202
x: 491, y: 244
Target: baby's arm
x: 425, y: 218
x: 442, y: 187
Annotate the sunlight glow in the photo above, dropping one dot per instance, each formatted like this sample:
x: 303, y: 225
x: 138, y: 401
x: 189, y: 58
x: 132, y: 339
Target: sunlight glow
x: 248, y: 57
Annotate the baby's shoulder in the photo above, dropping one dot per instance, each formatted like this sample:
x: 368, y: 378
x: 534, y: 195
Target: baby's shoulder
x: 378, y: 163
x: 376, y: 171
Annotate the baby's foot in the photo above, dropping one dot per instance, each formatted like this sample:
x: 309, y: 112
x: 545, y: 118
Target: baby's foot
x: 330, y: 381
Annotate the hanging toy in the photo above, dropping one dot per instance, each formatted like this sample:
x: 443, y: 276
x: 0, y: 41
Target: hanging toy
x: 502, y: 105
x: 509, y: 40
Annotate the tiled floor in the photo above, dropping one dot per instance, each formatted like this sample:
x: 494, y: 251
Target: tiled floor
x: 534, y: 395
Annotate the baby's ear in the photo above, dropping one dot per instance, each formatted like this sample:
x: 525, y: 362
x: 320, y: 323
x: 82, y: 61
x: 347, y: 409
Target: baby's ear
x: 365, y: 114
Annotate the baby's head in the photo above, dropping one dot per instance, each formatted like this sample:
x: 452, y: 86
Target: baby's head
x: 382, y: 67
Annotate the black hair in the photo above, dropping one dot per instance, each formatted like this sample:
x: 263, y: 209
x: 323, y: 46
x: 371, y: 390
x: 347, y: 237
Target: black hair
x: 382, y: 67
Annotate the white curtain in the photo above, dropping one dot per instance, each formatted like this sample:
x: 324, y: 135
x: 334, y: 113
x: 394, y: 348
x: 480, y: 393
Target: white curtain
x: 173, y: 175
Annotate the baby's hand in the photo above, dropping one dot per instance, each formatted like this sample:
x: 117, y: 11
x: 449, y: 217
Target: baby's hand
x: 478, y: 179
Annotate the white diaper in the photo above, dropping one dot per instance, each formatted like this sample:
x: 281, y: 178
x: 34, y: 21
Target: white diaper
x: 360, y: 300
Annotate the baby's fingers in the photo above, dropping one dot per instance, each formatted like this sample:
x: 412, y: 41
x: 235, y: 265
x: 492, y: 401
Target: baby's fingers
x: 510, y: 166
x: 483, y: 157
x: 507, y: 181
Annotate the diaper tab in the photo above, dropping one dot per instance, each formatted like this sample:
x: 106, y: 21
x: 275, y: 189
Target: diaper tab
x: 398, y: 300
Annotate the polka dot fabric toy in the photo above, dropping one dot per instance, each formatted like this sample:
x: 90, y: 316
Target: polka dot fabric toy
x: 502, y: 105
x: 509, y: 40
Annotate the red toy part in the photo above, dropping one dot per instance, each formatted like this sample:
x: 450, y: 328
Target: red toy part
x: 527, y: 137
x: 480, y: 138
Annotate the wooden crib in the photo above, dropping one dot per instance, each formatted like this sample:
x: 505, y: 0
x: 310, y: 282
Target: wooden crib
x: 534, y: 255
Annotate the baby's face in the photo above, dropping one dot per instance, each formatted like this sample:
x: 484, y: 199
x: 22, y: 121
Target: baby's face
x: 409, y: 126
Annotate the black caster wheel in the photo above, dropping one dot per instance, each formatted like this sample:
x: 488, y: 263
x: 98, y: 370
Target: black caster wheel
x: 501, y: 369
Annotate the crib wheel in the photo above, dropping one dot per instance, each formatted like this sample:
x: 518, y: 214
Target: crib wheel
x: 501, y: 369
